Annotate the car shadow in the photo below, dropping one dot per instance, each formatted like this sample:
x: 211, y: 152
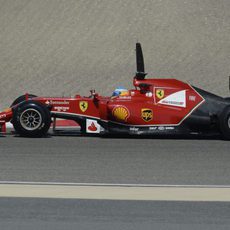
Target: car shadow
x: 123, y: 136
x: 157, y: 137
x: 166, y: 137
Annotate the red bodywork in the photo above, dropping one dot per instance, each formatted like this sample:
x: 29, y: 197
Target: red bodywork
x: 153, y: 102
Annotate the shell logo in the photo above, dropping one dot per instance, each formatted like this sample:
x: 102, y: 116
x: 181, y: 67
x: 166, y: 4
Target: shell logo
x: 121, y: 113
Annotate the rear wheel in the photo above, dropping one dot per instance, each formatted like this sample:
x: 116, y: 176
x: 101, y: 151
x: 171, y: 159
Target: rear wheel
x: 31, y: 119
x: 225, y: 123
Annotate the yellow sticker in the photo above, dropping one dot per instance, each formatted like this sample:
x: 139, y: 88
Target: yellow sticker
x: 121, y: 113
x: 147, y: 114
x: 83, y: 105
x: 160, y: 93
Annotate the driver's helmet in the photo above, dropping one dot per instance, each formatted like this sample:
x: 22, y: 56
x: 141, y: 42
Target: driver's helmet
x: 120, y: 91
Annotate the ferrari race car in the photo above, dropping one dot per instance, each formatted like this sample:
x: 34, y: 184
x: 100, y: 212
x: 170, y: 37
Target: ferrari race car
x: 154, y: 106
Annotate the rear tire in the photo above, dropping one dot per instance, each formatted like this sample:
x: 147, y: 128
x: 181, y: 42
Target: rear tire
x: 225, y: 123
x: 31, y: 119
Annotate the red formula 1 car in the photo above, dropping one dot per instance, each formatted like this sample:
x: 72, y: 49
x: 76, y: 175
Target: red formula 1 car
x: 154, y: 106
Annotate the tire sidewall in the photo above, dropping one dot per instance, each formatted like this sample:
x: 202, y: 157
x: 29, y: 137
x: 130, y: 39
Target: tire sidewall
x: 224, y: 126
x: 45, y: 116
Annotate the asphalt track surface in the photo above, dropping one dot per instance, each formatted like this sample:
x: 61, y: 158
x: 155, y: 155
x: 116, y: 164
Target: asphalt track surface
x: 115, y: 160
x: 53, y: 214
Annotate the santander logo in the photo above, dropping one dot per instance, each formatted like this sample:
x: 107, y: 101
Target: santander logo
x: 92, y: 127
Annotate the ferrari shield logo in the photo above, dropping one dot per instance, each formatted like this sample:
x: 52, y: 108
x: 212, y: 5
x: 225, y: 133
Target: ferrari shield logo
x: 83, y: 105
x: 147, y: 114
x: 160, y: 93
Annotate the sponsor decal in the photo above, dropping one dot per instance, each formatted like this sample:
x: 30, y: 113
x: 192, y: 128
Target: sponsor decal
x: 92, y: 126
x: 125, y: 97
x: 83, y: 105
x: 161, y: 128
x: 58, y: 102
x: 153, y: 128
x: 121, y: 113
x: 160, y: 93
x: 192, y: 98
x: 50, y: 102
x: 134, y: 129
x: 147, y: 114
x: 175, y: 99
x: 169, y: 128
x: 61, y: 108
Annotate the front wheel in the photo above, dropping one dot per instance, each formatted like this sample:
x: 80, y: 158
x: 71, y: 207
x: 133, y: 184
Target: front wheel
x: 225, y: 123
x: 31, y: 119
x: 21, y: 99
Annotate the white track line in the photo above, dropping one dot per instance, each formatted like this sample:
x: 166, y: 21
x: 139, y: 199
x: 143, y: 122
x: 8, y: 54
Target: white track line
x: 112, y: 184
x: 114, y: 192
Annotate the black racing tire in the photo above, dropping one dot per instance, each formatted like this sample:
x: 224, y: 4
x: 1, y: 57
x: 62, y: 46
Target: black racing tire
x: 21, y: 99
x: 31, y: 119
x: 225, y: 123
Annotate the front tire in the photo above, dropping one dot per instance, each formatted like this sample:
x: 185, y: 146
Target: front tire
x: 31, y: 119
x: 21, y: 99
x: 225, y: 123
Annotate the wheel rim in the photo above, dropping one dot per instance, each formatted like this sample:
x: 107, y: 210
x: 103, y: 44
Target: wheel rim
x: 30, y: 119
x: 229, y: 122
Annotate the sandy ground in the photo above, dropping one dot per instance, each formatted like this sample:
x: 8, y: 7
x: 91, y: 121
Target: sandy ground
x: 64, y: 47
